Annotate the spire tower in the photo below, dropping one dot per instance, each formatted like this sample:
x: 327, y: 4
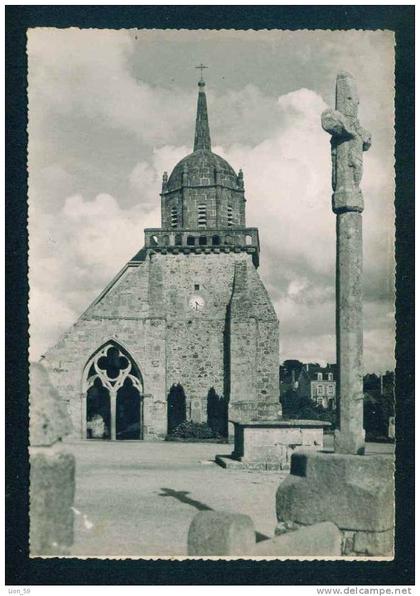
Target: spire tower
x: 202, y: 132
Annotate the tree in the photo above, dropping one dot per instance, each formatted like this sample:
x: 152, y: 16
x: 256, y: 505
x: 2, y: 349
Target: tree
x: 295, y: 407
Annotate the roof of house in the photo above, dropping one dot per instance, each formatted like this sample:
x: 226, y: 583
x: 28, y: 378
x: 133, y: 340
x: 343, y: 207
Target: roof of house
x: 311, y: 370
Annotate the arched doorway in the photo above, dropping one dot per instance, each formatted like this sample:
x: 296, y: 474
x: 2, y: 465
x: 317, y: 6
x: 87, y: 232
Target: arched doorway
x: 217, y: 412
x: 177, y: 409
x: 129, y: 423
x: 98, y: 411
x: 113, y: 395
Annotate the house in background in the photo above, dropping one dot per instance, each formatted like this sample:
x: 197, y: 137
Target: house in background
x: 318, y: 384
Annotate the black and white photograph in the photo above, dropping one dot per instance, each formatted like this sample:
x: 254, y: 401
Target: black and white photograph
x: 212, y: 297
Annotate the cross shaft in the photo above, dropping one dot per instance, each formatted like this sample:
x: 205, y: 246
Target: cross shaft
x: 348, y: 141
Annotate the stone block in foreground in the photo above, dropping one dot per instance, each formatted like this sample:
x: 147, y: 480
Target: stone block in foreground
x: 319, y: 540
x: 354, y: 492
x: 52, y: 470
x: 51, y: 500
x: 216, y: 533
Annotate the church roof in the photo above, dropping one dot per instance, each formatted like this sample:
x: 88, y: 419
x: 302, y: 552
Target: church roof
x: 199, y: 168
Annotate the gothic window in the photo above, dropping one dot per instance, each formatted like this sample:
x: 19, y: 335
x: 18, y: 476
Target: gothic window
x: 216, y: 240
x: 113, y: 396
x: 190, y: 241
x: 330, y: 376
x: 320, y: 390
x: 174, y: 217
x: 202, y: 216
x: 202, y: 241
x: 229, y: 216
x: 178, y: 240
x: 319, y: 376
x: 330, y: 390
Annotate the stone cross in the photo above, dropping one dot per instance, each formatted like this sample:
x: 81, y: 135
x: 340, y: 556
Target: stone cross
x: 348, y: 141
x: 201, y: 67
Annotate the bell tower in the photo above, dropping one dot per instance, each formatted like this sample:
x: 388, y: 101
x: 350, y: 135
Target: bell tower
x: 203, y: 200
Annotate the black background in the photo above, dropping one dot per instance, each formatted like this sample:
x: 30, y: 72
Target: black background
x: 20, y: 569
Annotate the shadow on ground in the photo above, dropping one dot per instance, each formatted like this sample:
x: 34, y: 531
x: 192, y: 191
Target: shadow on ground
x: 182, y: 496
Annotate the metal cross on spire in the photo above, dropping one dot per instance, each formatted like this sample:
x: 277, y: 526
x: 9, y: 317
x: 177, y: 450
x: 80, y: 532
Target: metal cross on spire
x: 201, y: 67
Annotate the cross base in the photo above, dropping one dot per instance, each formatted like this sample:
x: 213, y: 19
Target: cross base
x: 356, y: 493
x: 350, y: 443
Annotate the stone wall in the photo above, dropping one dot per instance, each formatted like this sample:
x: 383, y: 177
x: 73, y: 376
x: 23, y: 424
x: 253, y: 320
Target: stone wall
x: 147, y: 311
x: 195, y: 340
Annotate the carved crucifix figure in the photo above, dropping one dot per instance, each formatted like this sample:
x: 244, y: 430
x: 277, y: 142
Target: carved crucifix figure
x: 348, y: 142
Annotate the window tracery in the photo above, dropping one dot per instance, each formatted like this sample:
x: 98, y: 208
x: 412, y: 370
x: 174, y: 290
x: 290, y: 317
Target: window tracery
x: 112, y: 367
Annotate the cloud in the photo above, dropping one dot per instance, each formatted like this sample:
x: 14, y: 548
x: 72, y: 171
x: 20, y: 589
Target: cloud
x: 84, y: 78
x: 289, y: 199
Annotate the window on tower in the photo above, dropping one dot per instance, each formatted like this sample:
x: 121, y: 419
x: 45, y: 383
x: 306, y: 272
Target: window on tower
x: 174, y: 217
x: 230, y: 216
x: 202, y: 216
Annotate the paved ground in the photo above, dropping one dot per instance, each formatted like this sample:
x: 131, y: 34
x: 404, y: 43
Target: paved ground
x: 138, y: 498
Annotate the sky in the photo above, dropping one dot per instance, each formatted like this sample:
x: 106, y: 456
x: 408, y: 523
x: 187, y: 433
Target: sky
x: 111, y: 110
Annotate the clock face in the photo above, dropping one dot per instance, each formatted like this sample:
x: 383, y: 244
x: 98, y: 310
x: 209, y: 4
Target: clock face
x: 196, y: 303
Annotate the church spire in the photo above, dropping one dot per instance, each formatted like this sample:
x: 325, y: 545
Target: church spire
x: 202, y: 131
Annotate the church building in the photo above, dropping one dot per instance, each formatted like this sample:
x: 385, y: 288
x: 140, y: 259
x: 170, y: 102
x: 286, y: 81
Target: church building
x: 186, y: 330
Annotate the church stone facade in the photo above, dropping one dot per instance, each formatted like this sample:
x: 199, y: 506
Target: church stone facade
x: 187, y: 330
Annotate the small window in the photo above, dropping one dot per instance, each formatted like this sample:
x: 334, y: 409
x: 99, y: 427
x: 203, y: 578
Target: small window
x: 202, y: 216
x: 228, y: 240
x: 174, y: 217
x: 330, y: 390
x: 216, y: 240
x: 202, y: 241
x: 229, y: 216
x: 190, y: 241
x: 248, y: 240
x: 178, y: 240
x: 319, y: 376
x: 165, y: 240
x: 196, y: 287
x: 330, y: 376
x: 154, y: 241
x: 320, y: 390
